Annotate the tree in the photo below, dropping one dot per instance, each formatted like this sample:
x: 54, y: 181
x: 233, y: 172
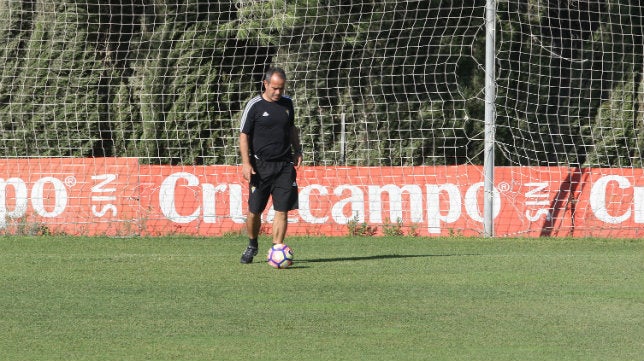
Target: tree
x: 54, y: 106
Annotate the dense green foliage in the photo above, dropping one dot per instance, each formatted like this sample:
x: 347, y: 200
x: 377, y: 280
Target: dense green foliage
x: 571, y: 87
x: 166, y: 81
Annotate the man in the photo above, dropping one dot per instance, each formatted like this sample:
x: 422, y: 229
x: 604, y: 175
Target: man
x: 270, y: 150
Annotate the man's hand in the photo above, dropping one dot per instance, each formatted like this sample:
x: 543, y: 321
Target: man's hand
x: 247, y: 171
x: 298, y: 160
x: 244, y: 149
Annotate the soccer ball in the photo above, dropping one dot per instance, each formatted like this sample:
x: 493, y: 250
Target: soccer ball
x: 280, y: 256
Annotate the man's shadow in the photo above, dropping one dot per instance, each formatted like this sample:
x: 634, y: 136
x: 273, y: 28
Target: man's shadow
x: 374, y: 257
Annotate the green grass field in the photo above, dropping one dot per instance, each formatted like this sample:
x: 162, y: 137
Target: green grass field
x: 65, y: 298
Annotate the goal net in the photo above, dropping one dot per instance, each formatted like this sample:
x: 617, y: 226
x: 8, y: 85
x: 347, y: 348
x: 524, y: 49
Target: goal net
x: 571, y: 101
x: 122, y: 117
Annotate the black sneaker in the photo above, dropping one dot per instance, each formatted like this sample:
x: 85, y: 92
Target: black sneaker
x: 249, y: 253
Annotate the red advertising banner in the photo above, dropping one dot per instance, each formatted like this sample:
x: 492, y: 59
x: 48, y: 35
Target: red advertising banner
x: 118, y: 196
x: 78, y: 196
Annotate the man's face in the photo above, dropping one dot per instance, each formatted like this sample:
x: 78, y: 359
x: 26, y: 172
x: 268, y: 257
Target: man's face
x: 274, y: 89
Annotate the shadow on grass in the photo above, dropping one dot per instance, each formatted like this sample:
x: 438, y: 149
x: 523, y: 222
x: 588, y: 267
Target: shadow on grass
x: 376, y: 257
